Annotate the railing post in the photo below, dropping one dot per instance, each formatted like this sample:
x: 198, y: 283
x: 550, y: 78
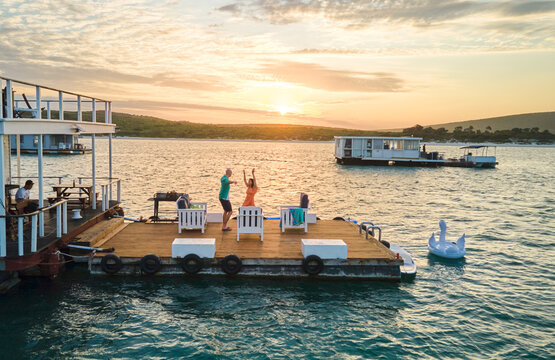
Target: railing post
x: 64, y: 216
x: 2, y: 200
x: 79, y: 113
x: 34, y: 233
x: 61, y: 105
x: 38, y: 100
x: 20, y: 235
x: 9, y: 99
x: 48, y: 112
x: 58, y: 221
x: 1, y: 99
x: 103, y: 198
x: 119, y: 191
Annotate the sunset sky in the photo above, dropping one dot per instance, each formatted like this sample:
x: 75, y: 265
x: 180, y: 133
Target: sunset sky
x: 358, y: 64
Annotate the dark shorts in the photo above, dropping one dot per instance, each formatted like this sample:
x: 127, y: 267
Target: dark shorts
x: 226, y: 204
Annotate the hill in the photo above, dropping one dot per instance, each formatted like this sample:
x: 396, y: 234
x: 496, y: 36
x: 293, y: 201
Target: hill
x: 148, y: 126
x: 543, y: 121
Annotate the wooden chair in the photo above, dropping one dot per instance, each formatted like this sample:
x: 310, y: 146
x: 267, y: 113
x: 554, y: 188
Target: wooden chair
x: 287, y: 220
x: 192, y: 218
x: 250, y: 221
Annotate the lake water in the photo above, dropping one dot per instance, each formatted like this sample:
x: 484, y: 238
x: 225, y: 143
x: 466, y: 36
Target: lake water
x: 496, y: 303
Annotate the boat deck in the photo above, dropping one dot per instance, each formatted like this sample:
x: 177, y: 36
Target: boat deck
x: 139, y: 239
x: 280, y: 253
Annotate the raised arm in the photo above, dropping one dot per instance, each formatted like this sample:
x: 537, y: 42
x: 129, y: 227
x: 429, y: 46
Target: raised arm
x: 254, y: 179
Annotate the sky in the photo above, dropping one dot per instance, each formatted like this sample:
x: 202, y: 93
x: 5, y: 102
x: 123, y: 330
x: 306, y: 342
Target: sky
x: 364, y: 64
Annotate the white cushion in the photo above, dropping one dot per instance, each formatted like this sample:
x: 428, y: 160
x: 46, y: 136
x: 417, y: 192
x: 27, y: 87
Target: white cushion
x: 203, y: 247
x: 324, y: 248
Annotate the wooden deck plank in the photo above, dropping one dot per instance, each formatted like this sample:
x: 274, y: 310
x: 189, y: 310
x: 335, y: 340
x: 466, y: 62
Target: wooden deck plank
x: 139, y: 239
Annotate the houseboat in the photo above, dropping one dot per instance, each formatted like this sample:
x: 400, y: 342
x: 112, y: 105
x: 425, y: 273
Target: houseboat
x: 52, y: 144
x: 403, y: 151
x: 31, y: 236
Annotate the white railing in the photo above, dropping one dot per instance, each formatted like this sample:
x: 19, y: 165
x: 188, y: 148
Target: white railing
x: 106, y: 190
x: 61, y: 226
x: 107, y: 193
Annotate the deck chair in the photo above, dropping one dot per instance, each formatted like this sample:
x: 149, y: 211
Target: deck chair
x: 287, y: 220
x: 193, y: 217
x: 250, y: 221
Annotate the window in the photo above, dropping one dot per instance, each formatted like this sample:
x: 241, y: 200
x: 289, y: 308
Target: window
x: 348, y: 143
x: 412, y: 144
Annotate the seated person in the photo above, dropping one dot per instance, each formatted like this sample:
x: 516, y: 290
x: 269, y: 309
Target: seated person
x: 22, y: 198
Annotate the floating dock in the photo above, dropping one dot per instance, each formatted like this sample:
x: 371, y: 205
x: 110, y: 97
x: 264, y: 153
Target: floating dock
x: 280, y: 253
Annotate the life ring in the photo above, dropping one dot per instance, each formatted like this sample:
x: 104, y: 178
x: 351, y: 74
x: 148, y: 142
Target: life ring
x: 231, y: 264
x: 313, y: 265
x: 191, y: 264
x: 150, y: 264
x: 111, y: 264
x: 338, y: 218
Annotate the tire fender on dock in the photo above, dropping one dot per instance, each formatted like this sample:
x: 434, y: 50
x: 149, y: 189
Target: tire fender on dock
x: 231, y: 264
x: 191, y: 264
x: 150, y: 264
x: 111, y: 264
x: 313, y: 265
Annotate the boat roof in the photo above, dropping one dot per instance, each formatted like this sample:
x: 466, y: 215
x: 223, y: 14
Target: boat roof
x: 475, y: 146
x: 379, y: 137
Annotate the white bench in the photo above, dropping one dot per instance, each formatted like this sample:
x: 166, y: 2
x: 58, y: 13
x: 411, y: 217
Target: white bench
x: 203, y: 248
x: 250, y: 221
x: 324, y: 248
x: 286, y: 219
x: 192, y: 218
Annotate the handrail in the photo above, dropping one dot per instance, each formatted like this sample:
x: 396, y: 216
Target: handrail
x: 364, y: 223
x: 61, y: 225
x: 36, y: 177
x: 36, y: 212
x: 53, y: 89
x: 368, y: 228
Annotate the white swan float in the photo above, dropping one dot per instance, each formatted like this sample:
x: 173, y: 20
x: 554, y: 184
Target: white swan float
x: 446, y: 249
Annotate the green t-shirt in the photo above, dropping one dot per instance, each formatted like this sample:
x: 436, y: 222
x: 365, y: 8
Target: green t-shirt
x: 224, y: 191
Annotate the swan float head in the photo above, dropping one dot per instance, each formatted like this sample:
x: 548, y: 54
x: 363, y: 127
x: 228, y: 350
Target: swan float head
x: 446, y: 249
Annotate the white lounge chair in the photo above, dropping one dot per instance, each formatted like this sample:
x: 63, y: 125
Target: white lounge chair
x: 193, y: 217
x: 250, y: 221
x: 286, y: 219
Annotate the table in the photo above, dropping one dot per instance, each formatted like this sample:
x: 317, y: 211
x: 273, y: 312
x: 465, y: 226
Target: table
x: 63, y: 191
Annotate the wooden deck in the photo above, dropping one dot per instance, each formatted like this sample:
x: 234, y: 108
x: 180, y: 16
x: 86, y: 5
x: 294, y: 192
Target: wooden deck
x: 139, y: 239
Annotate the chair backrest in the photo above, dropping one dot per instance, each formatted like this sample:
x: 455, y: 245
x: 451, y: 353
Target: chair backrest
x: 249, y: 217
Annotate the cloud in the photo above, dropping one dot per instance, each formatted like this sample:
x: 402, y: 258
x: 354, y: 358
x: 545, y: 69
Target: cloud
x: 319, y: 77
x: 356, y: 14
x: 530, y: 7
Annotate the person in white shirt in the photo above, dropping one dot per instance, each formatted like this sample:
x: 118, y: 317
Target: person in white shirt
x: 22, y: 197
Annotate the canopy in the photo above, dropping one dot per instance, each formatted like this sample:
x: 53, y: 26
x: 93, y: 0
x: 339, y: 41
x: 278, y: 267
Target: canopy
x: 474, y: 146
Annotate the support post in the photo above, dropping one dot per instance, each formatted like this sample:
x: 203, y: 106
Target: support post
x: 48, y: 113
x: 2, y: 199
x: 61, y: 105
x: 93, y: 157
x: 109, y: 120
x: 41, y: 195
x: 18, y: 155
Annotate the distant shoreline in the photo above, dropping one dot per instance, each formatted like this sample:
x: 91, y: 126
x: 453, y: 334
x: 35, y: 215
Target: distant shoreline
x: 331, y: 142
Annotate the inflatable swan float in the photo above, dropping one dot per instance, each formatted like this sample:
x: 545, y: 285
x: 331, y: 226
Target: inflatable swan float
x: 444, y: 248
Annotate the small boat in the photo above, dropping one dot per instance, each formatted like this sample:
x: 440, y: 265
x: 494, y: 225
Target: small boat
x: 409, y: 267
x: 446, y: 249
